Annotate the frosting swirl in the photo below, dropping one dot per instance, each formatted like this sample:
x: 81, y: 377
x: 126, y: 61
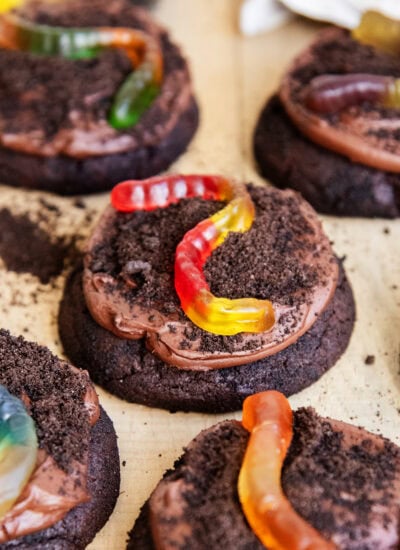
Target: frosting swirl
x: 166, y: 333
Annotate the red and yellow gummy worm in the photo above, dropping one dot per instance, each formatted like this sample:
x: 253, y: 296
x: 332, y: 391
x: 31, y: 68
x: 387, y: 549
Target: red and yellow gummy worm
x: 211, y: 313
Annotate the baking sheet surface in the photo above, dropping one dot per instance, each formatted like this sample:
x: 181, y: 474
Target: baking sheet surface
x: 233, y: 76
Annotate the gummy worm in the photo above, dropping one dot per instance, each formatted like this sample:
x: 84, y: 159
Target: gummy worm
x: 331, y: 93
x: 268, y: 417
x: 380, y: 31
x: 213, y: 314
x: 139, y: 89
x: 18, y: 449
x: 7, y: 5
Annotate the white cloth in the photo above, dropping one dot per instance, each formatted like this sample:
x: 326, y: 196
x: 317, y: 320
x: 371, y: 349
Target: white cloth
x: 343, y: 12
x: 262, y: 15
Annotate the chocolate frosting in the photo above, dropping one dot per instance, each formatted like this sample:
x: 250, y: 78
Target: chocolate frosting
x: 367, y: 134
x: 166, y: 333
x: 84, y: 130
x: 381, y: 534
x: 48, y: 496
x: 50, y: 492
x: 340, y: 478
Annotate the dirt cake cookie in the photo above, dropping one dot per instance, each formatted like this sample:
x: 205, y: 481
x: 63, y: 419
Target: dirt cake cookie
x: 277, y: 480
x: 184, y: 305
x: 109, y: 96
x: 59, y: 465
x: 333, y: 131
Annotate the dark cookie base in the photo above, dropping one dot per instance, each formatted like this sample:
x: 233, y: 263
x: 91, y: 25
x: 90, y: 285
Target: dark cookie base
x: 330, y: 182
x: 318, y: 471
x: 211, y: 490
x: 81, y: 524
x: 127, y: 369
x: 68, y: 176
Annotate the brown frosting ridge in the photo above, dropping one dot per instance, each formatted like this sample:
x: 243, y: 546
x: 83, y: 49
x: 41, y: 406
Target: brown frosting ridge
x: 51, y: 492
x: 164, y: 333
x: 363, y: 135
x: 84, y: 136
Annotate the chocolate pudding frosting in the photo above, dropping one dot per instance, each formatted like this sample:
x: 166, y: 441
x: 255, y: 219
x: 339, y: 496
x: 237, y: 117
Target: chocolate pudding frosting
x: 285, y: 257
x: 341, y: 479
x: 64, y: 110
x: 64, y: 405
x: 365, y: 133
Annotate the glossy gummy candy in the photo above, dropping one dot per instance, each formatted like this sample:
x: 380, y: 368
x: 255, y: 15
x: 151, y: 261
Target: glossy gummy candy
x: 214, y: 314
x: 331, y: 93
x: 380, y: 31
x: 269, y: 419
x: 7, y: 5
x: 18, y: 449
x: 138, y: 90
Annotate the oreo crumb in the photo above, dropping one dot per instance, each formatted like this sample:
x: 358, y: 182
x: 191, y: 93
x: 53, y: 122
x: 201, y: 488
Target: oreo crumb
x: 369, y: 360
x: 27, y: 248
x: 78, y: 203
x: 344, y: 487
x: 56, y: 394
x: 266, y: 262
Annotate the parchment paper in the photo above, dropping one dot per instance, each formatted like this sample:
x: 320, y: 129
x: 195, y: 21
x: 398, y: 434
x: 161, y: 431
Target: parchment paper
x: 233, y: 76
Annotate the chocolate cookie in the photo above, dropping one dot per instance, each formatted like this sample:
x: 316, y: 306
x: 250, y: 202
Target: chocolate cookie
x: 289, y: 154
x: 341, y: 479
x: 177, y: 365
x: 77, y: 449
x: 56, y: 136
